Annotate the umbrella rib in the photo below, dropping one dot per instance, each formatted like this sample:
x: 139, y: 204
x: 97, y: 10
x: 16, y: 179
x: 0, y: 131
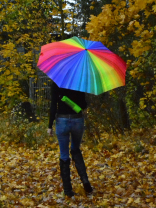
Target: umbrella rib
x: 78, y: 40
x: 96, y: 76
x: 68, y: 62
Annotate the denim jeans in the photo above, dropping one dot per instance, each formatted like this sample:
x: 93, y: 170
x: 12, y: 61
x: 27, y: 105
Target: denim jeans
x: 66, y: 127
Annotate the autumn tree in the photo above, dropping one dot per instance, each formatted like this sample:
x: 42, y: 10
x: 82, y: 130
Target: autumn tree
x: 128, y: 28
x: 79, y: 14
x: 26, y: 25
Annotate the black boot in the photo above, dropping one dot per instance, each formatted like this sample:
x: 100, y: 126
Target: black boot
x: 65, y: 174
x: 81, y: 169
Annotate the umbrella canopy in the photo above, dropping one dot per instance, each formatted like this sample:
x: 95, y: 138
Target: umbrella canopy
x: 82, y: 65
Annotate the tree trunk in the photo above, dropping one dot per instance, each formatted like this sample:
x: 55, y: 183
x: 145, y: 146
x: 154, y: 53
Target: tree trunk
x: 62, y: 19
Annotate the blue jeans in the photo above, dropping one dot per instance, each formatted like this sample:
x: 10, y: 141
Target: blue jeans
x: 66, y: 127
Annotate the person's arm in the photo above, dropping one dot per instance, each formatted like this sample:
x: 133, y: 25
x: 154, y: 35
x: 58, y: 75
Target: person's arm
x: 53, y: 107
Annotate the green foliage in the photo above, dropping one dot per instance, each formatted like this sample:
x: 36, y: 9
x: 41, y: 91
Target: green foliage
x: 106, y: 112
x: 138, y: 147
x: 20, y: 131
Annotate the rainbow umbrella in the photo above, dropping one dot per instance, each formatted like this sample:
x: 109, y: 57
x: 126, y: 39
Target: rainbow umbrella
x: 82, y: 65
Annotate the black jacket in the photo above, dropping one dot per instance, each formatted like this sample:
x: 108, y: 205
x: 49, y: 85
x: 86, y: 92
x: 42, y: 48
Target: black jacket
x: 60, y: 107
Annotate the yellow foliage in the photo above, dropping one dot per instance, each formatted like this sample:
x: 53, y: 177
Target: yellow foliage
x: 128, y: 27
x: 91, y: 7
x: 20, y: 18
x: 31, y: 177
x: 154, y: 8
x: 3, y: 198
x: 118, y: 14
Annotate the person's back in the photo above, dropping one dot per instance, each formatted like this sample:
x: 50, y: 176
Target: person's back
x: 75, y: 96
x: 60, y: 107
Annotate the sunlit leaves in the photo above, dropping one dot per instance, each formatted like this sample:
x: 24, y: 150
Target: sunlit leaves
x: 154, y: 8
x: 122, y: 176
x: 128, y: 28
x: 26, y: 26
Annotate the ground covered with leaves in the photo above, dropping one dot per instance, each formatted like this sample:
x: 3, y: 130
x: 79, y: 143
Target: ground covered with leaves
x: 122, y: 171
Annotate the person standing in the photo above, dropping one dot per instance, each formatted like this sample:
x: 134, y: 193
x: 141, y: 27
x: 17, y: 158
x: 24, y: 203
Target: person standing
x: 69, y: 124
